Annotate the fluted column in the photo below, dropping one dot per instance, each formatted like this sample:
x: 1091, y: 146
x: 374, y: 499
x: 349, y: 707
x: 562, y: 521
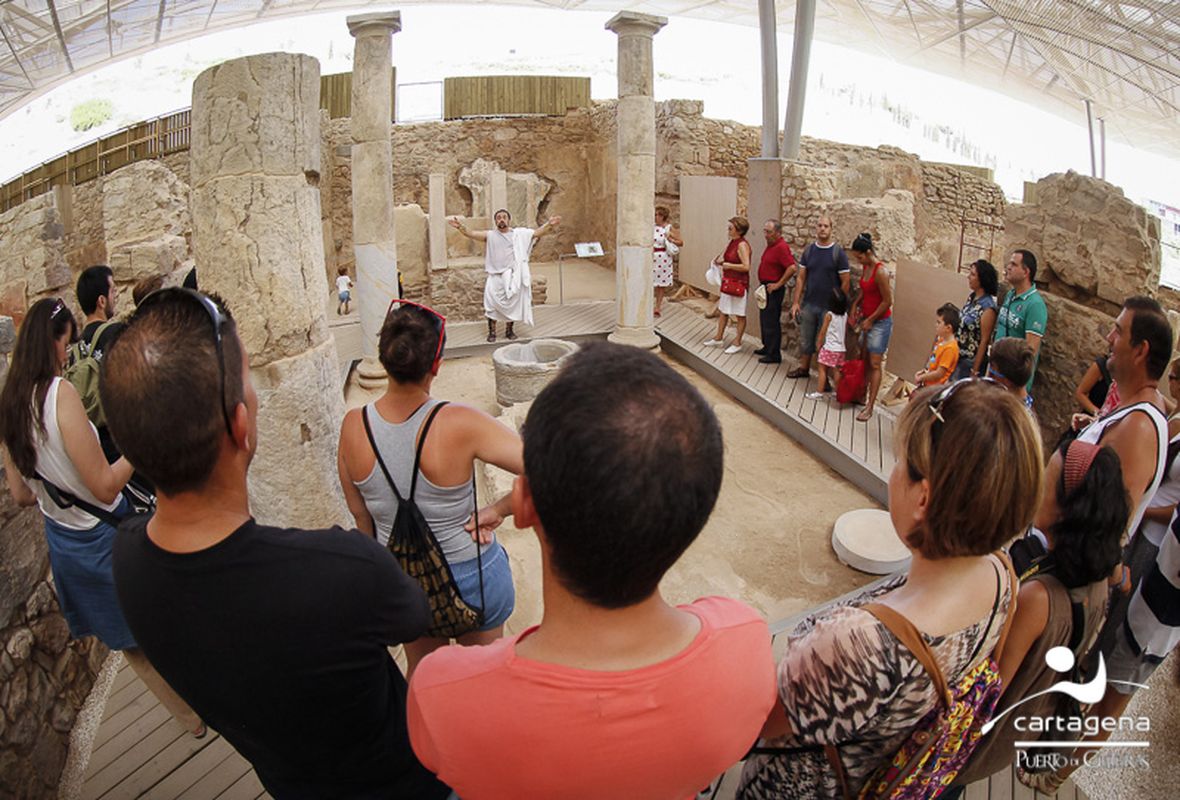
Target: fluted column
x: 374, y: 238
x: 636, y: 122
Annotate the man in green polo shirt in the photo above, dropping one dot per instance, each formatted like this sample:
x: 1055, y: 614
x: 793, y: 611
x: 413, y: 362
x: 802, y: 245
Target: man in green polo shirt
x: 1023, y: 313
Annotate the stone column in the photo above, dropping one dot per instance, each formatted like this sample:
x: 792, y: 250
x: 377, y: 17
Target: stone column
x: 374, y: 237
x: 636, y: 122
x: 257, y: 240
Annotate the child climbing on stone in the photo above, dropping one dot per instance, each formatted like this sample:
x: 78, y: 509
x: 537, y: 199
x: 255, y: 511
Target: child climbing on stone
x: 830, y: 342
x: 343, y: 290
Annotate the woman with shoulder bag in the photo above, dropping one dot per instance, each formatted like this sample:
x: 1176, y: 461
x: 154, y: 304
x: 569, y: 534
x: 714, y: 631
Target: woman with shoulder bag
x: 735, y: 280
x: 379, y: 447
x: 853, y: 691
x: 53, y: 459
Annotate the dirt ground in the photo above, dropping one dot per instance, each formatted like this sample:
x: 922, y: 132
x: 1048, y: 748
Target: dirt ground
x: 767, y: 541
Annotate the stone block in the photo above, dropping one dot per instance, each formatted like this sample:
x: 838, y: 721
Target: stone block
x: 412, y: 244
x: 12, y: 300
x: 51, y: 633
x: 371, y: 91
x: 636, y: 126
x: 141, y: 202
x: 256, y: 115
x: 293, y: 480
x: 889, y: 219
x: 635, y: 210
x: 7, y: 335
x: 258, y: 244
x: 1075, y: 335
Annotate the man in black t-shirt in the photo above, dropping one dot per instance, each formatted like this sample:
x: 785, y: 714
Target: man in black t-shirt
x: 822, y: 267
x: 277, y: 637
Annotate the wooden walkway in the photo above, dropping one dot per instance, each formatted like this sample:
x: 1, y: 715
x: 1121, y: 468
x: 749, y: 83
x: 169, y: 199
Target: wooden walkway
x: 861, y: 452
x: 140, y: 751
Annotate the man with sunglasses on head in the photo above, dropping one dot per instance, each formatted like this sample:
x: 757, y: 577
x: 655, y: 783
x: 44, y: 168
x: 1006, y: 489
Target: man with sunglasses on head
x: 278, y: 637
x: 507, y: 295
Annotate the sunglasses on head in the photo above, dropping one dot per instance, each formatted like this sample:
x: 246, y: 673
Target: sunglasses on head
x: 439, y: 320
x: 948, y: 391
x: 216, y: 316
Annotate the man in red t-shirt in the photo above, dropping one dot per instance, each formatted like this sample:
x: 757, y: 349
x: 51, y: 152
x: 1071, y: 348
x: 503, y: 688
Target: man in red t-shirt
x: 617, y: 693
x: 774, y: 270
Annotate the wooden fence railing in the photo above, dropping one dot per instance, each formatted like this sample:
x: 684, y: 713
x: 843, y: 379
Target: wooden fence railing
x: 494, y: 95
x: 155, y: 138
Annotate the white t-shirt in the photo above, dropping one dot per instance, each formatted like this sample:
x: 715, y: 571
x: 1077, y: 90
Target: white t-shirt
x: 834, y: 339
x: 343, y: 283
x: 1093, y: 435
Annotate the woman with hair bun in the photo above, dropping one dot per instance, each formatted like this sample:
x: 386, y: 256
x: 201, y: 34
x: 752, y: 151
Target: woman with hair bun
x: 411, y: 350
x: 875, y: 308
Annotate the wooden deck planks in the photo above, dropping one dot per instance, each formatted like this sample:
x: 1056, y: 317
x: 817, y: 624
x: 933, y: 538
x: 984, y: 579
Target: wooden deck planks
x: 822, y: 421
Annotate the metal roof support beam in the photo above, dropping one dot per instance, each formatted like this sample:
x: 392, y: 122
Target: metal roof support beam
x: 1090, y: 128
x: 61, y: 37
x: 768, y: 30
x: 800, y: 60
x: 1102, y: 143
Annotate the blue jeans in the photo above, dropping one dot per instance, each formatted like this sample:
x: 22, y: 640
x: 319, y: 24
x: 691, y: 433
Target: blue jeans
x: 877, y: 340
x: 810, y: 318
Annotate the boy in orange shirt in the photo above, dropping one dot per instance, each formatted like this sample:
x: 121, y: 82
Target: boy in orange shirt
x: 945, y: 356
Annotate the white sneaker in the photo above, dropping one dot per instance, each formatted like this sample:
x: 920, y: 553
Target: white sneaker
x: 713, y: 342
x: 816, y: 395
x: 733, y: 348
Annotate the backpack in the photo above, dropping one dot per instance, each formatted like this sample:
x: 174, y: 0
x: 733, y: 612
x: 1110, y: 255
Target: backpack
x: 942, y: 742
x: 82, y: 370
x: 420, y: 555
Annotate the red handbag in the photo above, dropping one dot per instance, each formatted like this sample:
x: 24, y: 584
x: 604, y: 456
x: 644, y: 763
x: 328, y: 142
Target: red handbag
x: 851, y: 388
x: 732, y: 286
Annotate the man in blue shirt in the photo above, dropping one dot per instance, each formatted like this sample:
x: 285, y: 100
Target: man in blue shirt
x: 1023, y: 314
x: 822, y: 267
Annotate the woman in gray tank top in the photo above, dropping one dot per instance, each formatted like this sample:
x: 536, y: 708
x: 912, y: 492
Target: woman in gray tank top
x: 410, y: 349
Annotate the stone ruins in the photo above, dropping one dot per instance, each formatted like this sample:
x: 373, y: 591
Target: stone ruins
x: 266, y: 205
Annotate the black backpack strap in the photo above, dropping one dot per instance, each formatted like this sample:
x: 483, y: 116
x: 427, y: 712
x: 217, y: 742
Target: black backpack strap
x: 421, y: 442
x: 65, y: 499
x: 377, y: 453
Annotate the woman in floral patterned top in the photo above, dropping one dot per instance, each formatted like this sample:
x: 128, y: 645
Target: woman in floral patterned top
x: 977, y: 319
x: 967, y: 480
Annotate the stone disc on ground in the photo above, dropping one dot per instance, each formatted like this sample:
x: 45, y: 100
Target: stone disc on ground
x: 864, y: 539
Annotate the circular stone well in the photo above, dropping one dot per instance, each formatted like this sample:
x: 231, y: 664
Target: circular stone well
x: 523, y: 370
x: 864, y: 539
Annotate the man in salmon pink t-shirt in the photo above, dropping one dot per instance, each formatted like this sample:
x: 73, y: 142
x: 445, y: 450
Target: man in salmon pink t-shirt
x: 616, y: 693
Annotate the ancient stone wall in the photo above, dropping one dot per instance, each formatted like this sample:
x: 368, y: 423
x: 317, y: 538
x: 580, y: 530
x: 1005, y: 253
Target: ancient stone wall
x: 44, y: 676
x: 85, y: 243
x: 32, y: 254
x: 1093, y: 245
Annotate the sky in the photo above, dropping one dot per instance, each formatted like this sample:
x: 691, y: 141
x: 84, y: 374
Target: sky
x: 853, y: 96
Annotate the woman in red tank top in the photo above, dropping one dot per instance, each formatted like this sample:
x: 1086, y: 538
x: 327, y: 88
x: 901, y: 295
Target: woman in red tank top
x: 876, y: 315
x: 735, y: 266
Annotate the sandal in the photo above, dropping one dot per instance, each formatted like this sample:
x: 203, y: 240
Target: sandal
x: 799, y: 372
x: 201, y: 732
x: 491, y: 337
x: 864, y: 416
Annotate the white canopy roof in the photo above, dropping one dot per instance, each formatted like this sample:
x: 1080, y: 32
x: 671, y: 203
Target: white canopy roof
x: 1123, y: 56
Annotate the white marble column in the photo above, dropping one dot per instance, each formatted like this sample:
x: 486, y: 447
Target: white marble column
x: 258, y: 242
x: 374, y: 238
x: 636, y: 120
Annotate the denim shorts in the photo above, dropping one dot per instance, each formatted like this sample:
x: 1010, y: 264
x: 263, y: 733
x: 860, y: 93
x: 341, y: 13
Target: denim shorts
x: 344, y: 296
x: 810, y: 318
x: 877, y: 341
x: 499, y: 595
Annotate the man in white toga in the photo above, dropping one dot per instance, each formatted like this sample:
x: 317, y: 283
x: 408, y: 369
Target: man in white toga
x: 507, y: 295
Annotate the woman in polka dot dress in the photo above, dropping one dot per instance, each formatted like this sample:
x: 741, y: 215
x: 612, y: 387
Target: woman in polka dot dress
x: 665, y: 244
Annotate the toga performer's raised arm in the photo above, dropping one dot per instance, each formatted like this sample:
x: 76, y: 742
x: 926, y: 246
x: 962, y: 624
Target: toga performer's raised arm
x: 508, y: 294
